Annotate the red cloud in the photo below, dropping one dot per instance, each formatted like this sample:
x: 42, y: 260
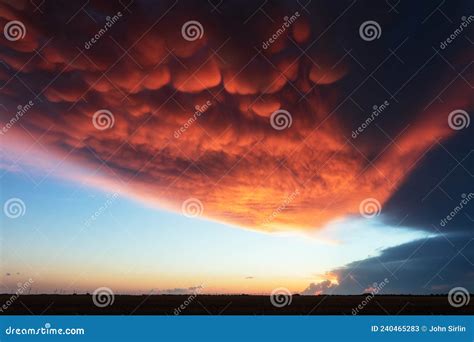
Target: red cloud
x: 219, y: 97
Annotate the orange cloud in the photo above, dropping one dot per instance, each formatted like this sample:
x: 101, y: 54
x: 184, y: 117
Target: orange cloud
x: 229, y: 155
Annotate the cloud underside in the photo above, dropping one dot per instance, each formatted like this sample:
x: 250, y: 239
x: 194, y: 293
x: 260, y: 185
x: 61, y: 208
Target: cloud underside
x: 244, y: 171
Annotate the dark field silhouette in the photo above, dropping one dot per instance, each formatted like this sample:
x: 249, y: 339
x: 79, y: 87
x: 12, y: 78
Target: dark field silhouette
x: 232, y: 305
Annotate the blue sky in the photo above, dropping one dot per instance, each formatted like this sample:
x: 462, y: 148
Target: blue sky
x: 134, y: 247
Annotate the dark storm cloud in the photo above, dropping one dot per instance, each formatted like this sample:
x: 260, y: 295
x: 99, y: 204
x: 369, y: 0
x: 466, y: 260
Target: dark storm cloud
x: 426, y: 266
x: 441, y: 184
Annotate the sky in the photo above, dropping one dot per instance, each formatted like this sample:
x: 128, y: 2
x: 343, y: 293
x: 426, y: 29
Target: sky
x: 240, y: 147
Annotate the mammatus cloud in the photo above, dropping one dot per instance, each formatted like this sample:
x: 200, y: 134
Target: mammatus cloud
x: 228, y: 156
